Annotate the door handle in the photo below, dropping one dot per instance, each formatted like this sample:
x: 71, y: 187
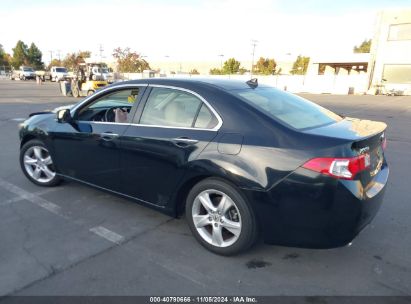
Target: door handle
x: 184, y: 141
x: 108, y: 135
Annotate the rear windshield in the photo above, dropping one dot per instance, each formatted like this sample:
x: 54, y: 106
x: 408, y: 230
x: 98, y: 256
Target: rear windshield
x: 287, y: 108
x: 27, y: 69
x: 61, y: 70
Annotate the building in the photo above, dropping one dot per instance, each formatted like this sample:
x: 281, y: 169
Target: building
x: 390, y: 61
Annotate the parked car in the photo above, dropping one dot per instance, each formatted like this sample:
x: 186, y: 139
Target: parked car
x: 23, y: 73
x: 238, y: 158
x: 58, y: 73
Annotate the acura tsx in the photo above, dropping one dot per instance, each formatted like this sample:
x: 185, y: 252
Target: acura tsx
x: 239, y: 159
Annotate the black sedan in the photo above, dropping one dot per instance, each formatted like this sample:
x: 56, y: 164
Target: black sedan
x: 238, y: 158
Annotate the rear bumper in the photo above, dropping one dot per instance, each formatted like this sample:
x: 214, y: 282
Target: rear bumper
x: 311, y: 210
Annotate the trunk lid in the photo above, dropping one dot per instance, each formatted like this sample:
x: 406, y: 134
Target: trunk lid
x: 366, y: 136
x: 350, y: 128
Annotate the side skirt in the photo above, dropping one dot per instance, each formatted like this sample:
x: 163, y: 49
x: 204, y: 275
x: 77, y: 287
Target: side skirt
x: 162, y: 209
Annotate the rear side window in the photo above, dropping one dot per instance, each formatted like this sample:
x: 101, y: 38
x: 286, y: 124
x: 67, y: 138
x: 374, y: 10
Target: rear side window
x: 175, y: 108
x: 287, y: 108
x: 205, y: 119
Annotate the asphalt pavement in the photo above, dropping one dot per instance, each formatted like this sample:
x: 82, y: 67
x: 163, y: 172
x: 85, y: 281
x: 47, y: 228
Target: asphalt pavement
x: 76, y: 240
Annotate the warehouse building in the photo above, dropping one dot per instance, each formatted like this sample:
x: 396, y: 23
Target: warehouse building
x: 390, y: 60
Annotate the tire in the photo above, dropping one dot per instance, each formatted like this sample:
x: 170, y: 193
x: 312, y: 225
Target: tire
x: 223, y: 228
x: 75, y: 92
x: 89, y: 93
x: 37, y: 164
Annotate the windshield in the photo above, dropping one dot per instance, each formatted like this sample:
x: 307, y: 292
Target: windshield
x: 101, y: 70
x: 290, y: 109
x: 61, y: 70
x: 27, y: 69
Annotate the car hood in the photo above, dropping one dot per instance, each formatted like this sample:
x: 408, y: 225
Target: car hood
x: 52, y: 111
x: 350, y: 128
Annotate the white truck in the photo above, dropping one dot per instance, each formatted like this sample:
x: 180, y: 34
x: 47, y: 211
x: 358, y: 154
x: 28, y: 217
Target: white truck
x: 58, y: 73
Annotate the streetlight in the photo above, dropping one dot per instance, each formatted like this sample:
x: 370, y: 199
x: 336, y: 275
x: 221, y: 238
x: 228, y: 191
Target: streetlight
x: 51, y: 56
x: 221, y: 61
x: 169, y: 65
x: 254, y: 44
x: 142, y: 58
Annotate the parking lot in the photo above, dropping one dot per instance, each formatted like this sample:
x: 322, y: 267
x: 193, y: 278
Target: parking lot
x: 75, y: 240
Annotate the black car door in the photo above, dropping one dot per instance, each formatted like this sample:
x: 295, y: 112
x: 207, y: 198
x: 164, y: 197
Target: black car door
x: 87, y: 149
x: 173, y: 127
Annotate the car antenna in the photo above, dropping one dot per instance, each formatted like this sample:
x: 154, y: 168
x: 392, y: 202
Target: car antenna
x: 252, y: 83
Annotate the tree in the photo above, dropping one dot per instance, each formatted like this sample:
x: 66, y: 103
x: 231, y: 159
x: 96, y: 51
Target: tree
x: 129, y: 61
x: 242, y: 71
x: 300, y: 65
x: 194, y: 72
x: 215, y: 71
x: 72, y: 60
x: 34, y: 56
x: 265, y: 66
x: 364, y: 47
x: 231, y: 66
x: 3, y: 57
x: 20, y: 55
x: 55, y: 62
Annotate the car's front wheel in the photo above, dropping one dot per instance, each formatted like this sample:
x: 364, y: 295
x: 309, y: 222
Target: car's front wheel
x: 220, y: 218
x: 37, y: 164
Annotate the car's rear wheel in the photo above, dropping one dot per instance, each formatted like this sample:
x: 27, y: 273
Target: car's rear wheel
x: 37, y: 164
x: 220, y: 218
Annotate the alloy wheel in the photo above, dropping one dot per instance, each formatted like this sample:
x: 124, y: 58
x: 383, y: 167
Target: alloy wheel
x: 216, y: 218
x: 38, y: 164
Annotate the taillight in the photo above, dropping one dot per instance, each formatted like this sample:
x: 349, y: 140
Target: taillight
x: 344, y: 168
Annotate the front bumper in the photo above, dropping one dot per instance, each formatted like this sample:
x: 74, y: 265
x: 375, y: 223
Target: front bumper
x: 311, y: 210
x: 29, y: 76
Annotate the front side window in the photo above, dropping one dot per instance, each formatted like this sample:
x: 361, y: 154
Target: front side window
x: 114, y: 107
x: 172, y: 108
x: 289, y: 109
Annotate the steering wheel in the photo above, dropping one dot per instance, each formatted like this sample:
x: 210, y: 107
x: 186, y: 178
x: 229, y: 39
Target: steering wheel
x: 110, y: 116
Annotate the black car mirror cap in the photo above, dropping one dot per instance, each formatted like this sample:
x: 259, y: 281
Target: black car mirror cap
x: 64, y: 116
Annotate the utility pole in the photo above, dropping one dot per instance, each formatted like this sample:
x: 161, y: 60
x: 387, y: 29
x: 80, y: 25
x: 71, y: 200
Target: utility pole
x: 101, y: 52
x: 253, y: 44
x: 58, y: 54
x: 51, y: 56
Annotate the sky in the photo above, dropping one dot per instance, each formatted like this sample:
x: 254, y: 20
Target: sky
x: 192, y: 30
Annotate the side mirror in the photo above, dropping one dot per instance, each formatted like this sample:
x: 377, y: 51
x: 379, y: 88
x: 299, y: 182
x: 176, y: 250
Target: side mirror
x: 64, y: 116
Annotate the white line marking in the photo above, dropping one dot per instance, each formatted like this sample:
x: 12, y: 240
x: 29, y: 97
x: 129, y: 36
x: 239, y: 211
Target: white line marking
x: 19, y: 198
x: 41, y: 202
x: 107, y: 234
x: 53, y: 208
x: 18, y: 119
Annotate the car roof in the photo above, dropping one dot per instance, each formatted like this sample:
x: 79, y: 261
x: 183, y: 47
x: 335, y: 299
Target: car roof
x: 224, y: 84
